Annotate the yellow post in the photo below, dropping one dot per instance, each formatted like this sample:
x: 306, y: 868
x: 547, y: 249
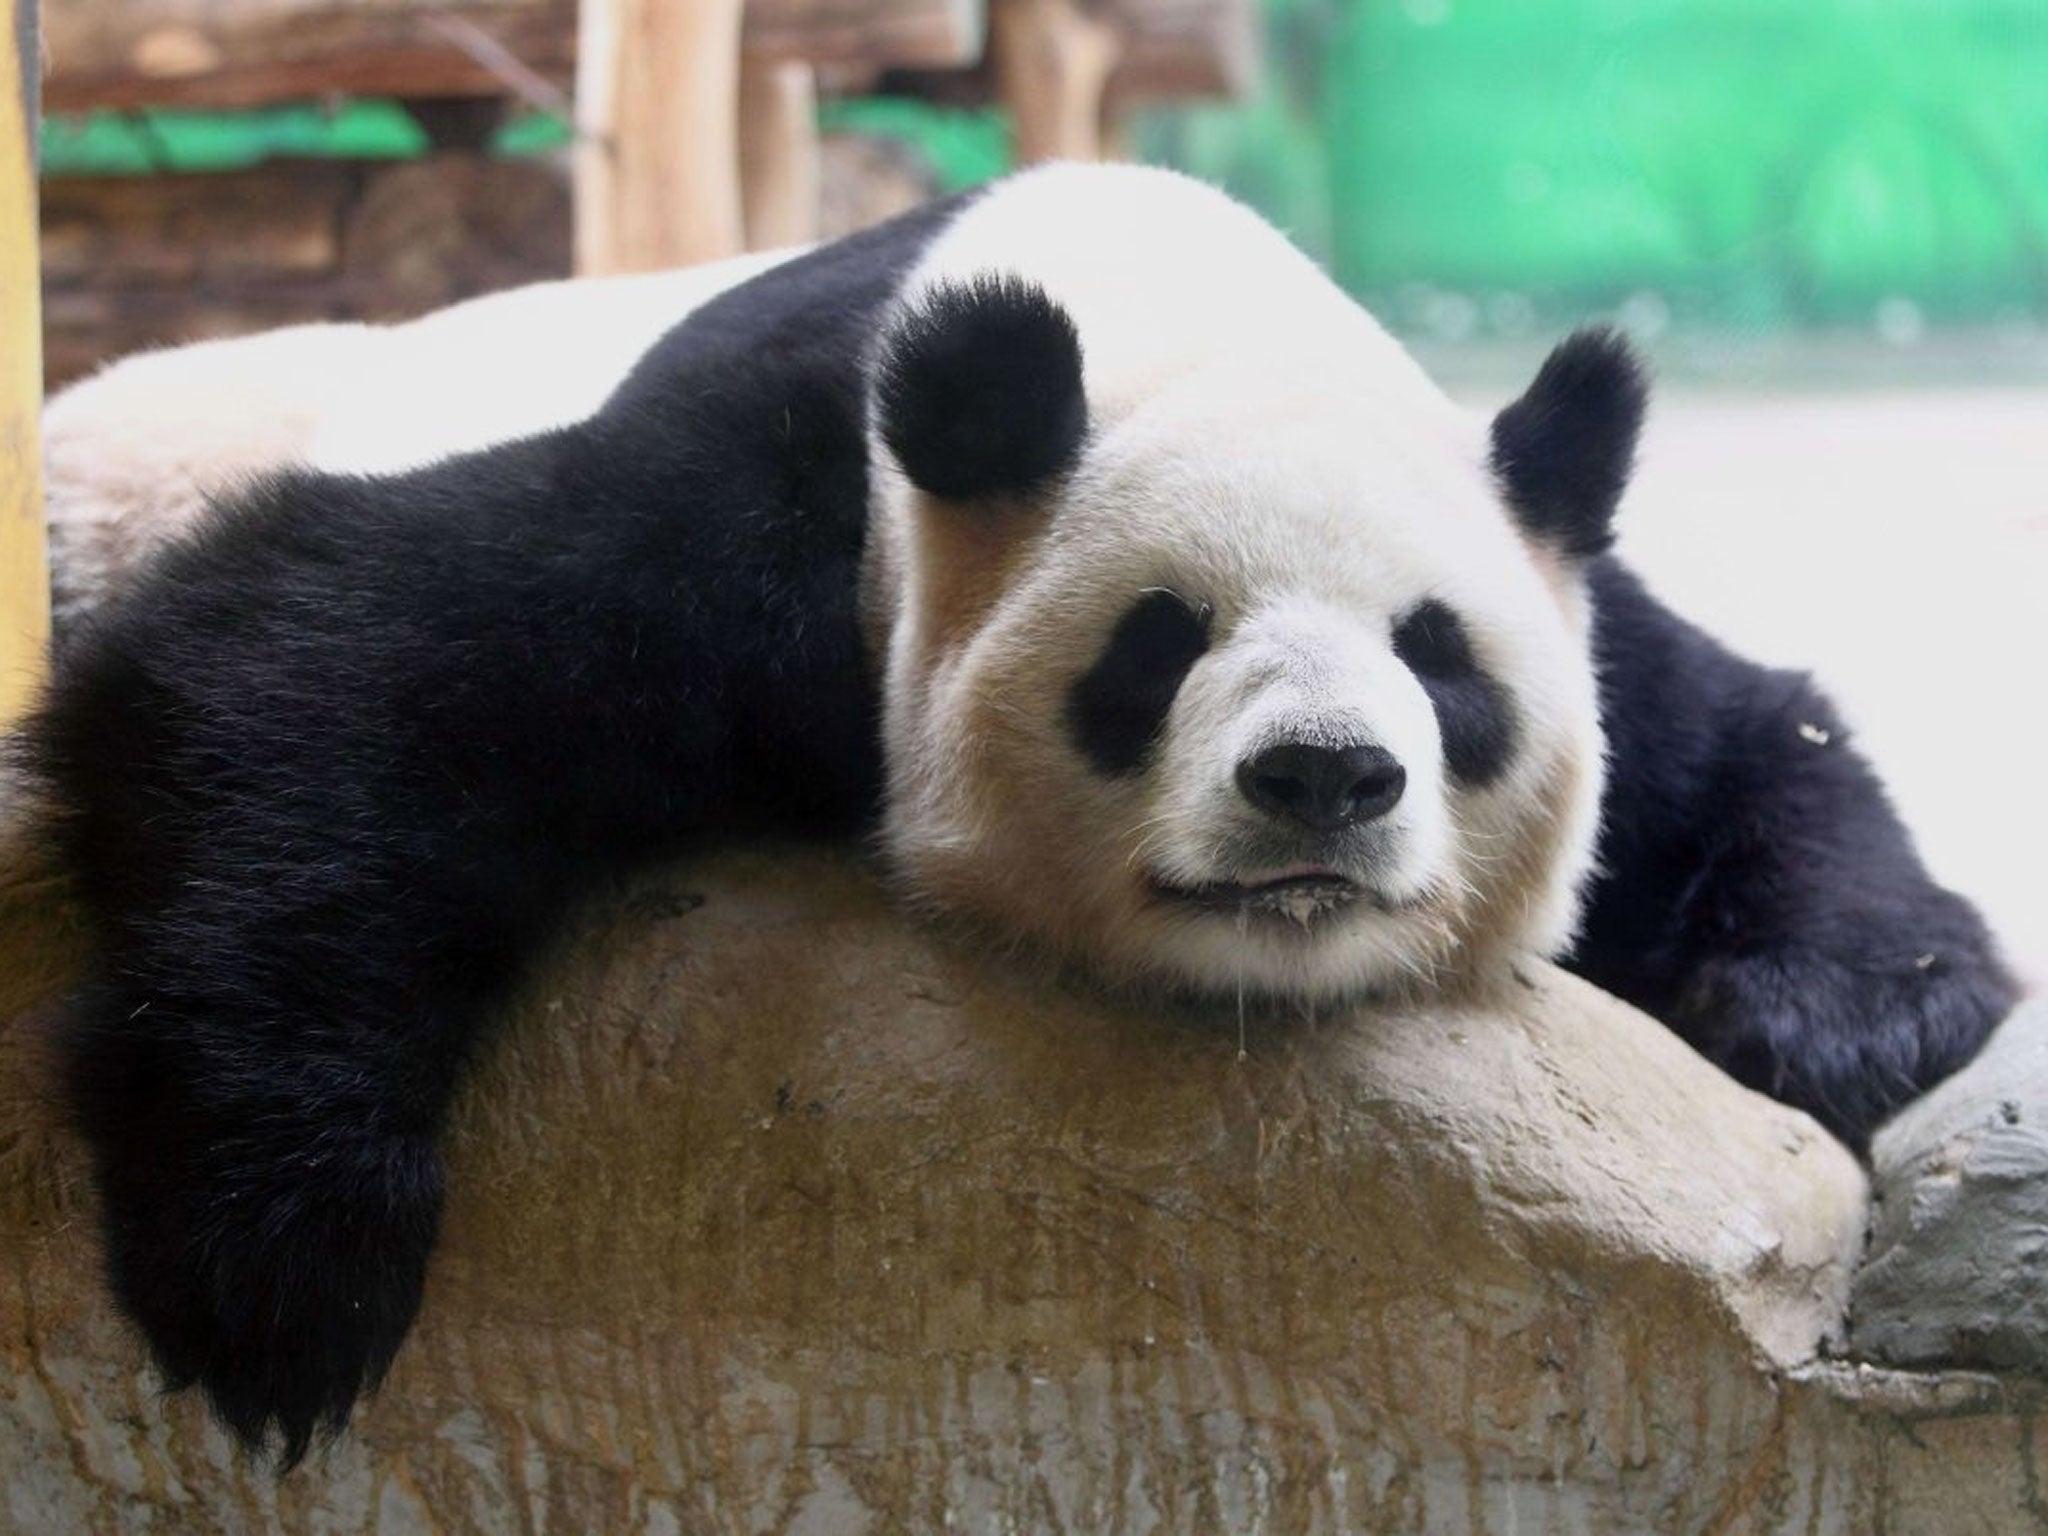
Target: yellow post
x: 24, y: 560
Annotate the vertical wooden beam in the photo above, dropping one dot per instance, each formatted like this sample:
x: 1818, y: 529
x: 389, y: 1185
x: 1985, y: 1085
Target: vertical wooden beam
x: 24, y: 562
x: 1052, y: 62
x: 657, y: 118
x: 779, y: 152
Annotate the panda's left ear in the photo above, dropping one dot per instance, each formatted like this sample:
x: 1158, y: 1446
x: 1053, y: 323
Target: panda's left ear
x: 979, y: 387
x: 1563, y: 452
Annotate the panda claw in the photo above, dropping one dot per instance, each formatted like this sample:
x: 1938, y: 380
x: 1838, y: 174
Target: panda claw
x: 281, y: 1292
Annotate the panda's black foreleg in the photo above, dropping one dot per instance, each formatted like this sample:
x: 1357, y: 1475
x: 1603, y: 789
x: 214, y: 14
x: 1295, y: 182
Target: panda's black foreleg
x: 267, y: 1228
x: 323, y: 782
x: 1757, y: 890
x: 262, y: 1065
x: 288, y: 986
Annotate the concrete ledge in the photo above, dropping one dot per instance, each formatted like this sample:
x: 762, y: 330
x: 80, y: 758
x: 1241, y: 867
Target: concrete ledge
x: 775, y: 1214
x: 1958, y: 1266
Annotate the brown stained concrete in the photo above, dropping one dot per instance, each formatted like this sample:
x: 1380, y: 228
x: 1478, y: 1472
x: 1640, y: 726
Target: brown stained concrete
x: 775, y: 1214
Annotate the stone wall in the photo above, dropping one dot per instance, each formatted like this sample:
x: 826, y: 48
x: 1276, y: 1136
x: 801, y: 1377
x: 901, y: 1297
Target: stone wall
x: 140, y: 261
x: 148, y: 261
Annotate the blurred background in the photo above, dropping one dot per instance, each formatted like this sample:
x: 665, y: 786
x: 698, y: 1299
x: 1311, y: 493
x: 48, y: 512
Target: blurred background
x: 1825, y: 220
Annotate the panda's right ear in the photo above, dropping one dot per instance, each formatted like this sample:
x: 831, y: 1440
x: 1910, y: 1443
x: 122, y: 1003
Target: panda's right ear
x: 1563, y: 451
x: 979, y: 388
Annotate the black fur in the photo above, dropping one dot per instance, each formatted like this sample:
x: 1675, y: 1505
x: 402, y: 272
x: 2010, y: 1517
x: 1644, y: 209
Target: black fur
x: 1564, y: 450
x: 1474, y: 717
x: 338, y: 765
x: 1760, y: 895
x: 980, y: 390
x: 1117, y: 708
x: 331, y: 771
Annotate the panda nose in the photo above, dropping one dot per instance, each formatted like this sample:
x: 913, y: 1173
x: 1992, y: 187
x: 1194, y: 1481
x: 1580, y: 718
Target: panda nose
x: 1323, y: 788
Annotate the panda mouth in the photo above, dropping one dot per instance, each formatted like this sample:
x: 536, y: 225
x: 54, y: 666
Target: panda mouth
x: 1300, y: 893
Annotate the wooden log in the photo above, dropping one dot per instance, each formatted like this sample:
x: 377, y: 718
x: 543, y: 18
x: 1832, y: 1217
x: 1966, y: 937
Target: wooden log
x: 1052, y: 61
x: 868, y: 178
x: 865, y: 31
x: 780, y: 169
x: 464, y: 123
x: 430, y: 232
x: 245, y: 53
x: 239, y: 53
x: 657, y: 127
x: 24, y: 566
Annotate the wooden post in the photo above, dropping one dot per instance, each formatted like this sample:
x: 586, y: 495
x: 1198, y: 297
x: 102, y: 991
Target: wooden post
x: 657, y: 117
x: 24, y: 563
x: 779, y: 174
x: 1053, y: 60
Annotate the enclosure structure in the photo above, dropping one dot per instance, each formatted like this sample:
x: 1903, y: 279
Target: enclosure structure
x: 695, y: 134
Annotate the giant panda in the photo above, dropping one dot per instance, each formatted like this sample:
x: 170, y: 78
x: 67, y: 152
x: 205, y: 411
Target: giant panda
x: 1079, y: 539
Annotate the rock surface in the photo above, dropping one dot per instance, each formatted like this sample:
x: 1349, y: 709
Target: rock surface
x: 776, y: 1214
x: 1958, y: 1265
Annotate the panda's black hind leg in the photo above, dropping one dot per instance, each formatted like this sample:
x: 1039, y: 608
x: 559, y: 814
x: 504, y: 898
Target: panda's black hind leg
x: 322, y: 783
x: 332, y: 769
x: 1851, y: 1032
x: 1757, y: 891
x: 264, y: 1093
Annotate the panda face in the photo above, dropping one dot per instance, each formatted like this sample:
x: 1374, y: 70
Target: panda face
x: 1306, y: 718
x: 1223, y: 653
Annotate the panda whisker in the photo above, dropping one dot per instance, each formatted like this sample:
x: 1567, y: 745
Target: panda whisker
x: 1467, y: 829
x: 1243, y: 934
x: 1146, y: 835
x: 1414, y: 966
x: 1463, y: 887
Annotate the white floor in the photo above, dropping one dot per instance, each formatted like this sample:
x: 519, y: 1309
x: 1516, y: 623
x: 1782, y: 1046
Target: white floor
x: 1897, y: 545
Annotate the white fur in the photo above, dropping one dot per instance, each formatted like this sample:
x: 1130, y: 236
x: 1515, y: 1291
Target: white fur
x: 134, y: 453
x: 1260, y: 445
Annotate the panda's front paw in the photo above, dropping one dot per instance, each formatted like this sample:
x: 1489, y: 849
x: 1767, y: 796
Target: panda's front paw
x: 1848, y: 1039
x: 282, y: 1279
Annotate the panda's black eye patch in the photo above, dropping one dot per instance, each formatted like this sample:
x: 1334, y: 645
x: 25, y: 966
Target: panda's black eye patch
x: 1117, y: 708
x: 1473, y: 715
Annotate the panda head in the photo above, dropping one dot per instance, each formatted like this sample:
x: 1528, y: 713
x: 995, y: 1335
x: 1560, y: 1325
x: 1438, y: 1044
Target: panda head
x: 1244, y: 677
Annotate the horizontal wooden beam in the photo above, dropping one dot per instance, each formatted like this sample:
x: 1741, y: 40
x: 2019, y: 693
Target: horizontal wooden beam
x: 244, y: 53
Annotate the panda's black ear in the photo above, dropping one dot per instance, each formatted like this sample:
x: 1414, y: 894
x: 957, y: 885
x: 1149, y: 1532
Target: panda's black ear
x: 979, y: 386
x: 1563, y: 451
